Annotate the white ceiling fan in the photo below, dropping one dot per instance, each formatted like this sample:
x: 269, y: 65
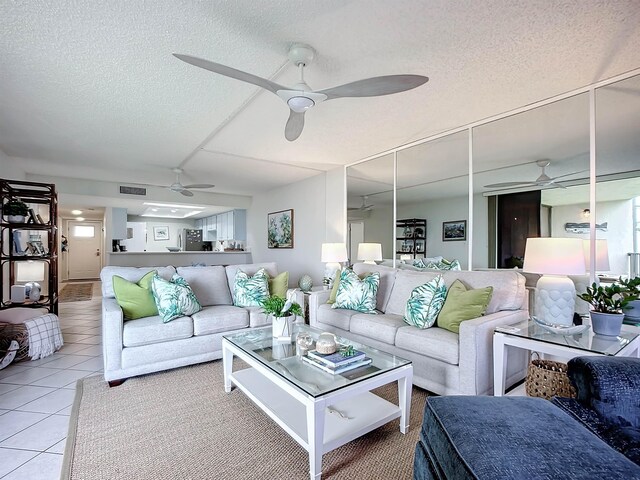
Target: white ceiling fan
x: 300, y: 97
x: 185, y: 189
x: 543, y: 180
x: 364, y: 207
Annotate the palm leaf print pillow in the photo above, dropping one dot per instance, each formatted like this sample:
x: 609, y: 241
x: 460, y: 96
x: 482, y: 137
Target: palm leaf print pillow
x: 425, y: 303
x: 357, y: 294
x: 250, y: 291
x: 174, y: 298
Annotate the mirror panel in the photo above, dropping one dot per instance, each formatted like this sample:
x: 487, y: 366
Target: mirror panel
x: 524, y: 168
x: 433, y: 185
x: 618, y: 177
x: 370, y: 206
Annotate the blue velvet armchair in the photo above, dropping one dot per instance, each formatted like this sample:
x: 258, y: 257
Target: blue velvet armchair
x: 596, y: 435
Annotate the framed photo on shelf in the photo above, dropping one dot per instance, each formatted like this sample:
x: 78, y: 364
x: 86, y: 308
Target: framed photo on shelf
x: 280, y: 229
x: 454, y: 231
x: 35, y: 247
x: 161, y: 232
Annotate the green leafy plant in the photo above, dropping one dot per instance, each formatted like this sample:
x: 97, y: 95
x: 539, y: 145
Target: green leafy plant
x: 347, y: 351
x: 609, y: 299
x: 15, y: 207
x: 280, y: 307
x: 631, y: 286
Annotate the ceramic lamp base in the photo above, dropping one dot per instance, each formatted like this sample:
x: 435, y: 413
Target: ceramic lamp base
x: 555, y: 299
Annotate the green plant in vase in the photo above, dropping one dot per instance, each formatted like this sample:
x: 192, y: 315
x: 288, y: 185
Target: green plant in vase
x: 632, y: 287
x: 283, y: 312
x: 608, y: 303
x: 15, y: 210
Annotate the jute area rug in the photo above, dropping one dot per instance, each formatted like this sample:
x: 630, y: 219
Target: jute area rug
x: 76, y: 292
x: 180, y: 424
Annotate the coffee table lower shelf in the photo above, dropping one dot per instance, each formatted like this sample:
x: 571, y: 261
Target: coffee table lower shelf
x: 364, y: 412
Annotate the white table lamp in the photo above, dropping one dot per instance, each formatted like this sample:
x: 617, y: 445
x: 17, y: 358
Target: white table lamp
x: 370, y: 252
x: 555, y: 258
x: 333, y: 254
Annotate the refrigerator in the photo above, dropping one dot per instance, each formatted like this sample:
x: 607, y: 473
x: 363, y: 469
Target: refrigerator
x: 191, y: 240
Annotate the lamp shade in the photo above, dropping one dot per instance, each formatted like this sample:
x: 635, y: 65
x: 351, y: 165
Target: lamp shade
x: 30, y: 271
x: 334, y: 253
x: 369, y: 251
x: 602, y: 255
x: 554, y: 256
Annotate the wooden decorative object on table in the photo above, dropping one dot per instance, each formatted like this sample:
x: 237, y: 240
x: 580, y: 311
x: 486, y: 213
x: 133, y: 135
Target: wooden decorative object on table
x: 546, y: 379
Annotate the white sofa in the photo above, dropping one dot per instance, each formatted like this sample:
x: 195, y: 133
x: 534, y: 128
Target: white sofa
x: 444, y: 362
x: 145, y: 345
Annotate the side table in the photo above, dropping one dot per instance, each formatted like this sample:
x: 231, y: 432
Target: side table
x: 303, y: 299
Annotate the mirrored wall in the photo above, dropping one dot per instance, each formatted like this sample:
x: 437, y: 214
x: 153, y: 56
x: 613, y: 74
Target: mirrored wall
x: 530, y: 176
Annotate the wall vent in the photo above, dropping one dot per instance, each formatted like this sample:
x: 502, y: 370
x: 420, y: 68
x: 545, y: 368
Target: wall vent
x: 133, y: 190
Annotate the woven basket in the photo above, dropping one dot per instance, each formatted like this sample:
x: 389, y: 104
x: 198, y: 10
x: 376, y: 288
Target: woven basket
x: 546, y: 379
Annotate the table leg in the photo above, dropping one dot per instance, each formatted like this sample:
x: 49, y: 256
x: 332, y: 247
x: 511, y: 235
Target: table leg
x: 499, y: 366
x: 404, y: 401
x: 227, y: 364
x: 315, y: 432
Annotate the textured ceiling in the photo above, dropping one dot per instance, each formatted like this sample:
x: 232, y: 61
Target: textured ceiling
x: 89, y: 89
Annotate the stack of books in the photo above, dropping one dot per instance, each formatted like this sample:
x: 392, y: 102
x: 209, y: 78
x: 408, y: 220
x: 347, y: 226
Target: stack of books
x: 336, y: 362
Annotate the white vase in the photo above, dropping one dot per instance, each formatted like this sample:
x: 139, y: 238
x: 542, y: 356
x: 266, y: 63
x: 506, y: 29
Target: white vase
x: 282, y: 327
x: 16, y: 218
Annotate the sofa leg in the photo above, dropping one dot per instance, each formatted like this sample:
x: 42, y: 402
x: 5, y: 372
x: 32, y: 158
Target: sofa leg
x: 116, y: 383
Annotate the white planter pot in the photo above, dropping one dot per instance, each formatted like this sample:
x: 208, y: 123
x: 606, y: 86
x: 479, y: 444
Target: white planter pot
x: 282, y: 327
x: 16, y: 218
x: 606, y: 323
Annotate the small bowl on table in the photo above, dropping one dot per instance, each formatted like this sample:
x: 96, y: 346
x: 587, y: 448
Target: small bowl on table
x: 173, y: 249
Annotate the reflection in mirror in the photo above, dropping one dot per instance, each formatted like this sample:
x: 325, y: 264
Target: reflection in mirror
x: 618, y: 176
x: 524, y: 167
x: 433, y: 187
x: 370, y: 206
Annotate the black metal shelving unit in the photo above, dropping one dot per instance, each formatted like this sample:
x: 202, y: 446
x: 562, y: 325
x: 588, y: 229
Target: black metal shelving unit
x: 411, y: 237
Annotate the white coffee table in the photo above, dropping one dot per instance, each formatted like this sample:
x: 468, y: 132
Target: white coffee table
x: 319, y: 410
x: 530, y: 336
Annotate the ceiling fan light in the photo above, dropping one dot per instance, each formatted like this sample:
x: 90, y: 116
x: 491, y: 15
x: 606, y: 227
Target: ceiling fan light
x: 300, y: 104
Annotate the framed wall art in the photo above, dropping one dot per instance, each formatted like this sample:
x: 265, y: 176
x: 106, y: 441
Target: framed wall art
x: 454, y: 231
x: 161, y: 232
x: 280, y: 229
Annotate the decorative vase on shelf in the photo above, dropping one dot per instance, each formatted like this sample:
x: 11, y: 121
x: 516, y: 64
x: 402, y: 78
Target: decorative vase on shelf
x: 305, y: 283
x: 16, y: 218
x: 326, y: 343
x: 608, y: 324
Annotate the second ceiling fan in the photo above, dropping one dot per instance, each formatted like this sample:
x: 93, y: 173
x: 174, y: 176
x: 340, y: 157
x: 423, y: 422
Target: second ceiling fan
x: 300, y: 97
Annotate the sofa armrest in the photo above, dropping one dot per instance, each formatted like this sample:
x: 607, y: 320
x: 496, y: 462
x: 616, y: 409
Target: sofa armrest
x: 112, y: 324
x: 609, y: 385
x: 476, y: 349
x: 315, y: 300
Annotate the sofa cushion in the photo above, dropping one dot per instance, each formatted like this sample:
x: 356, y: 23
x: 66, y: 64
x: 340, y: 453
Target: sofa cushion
x: 250, y: 291
x: 433, y: 342
x: 387, y: 277
x: 334, y: 288
x: 509, y: 290
x: 279, y: 284
x: 257, y: 317
x: 208, y: 283
x: 463, y: 304
x: 135, y: 299
x: 174, y: 298
x: 405, y: 282
x: 425, y: 303
x: 338, y: 317
x: 381, y: 327
x: 219, y: 318
x: 357, y: 294
x: 149, y: 330
x: 132, y: 274
x: 250, y: 269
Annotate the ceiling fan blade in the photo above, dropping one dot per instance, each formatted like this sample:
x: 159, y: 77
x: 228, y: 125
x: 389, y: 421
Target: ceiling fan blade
x: 568, y: 174
x: 186, y: 193
x: 510, y: 184
x: 199, y: 185
x: 230, y: 72
x: 294, y: 126
x: 373, y: 87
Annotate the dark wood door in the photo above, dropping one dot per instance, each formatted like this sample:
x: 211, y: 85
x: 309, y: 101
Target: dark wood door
x: 518, y: 219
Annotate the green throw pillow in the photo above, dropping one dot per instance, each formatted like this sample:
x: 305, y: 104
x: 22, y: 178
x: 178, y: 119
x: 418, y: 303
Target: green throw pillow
x: 463, y: 304
x: 174, y: 298
x: 279, y: 284
x: 425, y: 303
x: 356, y: 294
x: 250, y: 291
x: 334, y: 288
x: 135, y: 299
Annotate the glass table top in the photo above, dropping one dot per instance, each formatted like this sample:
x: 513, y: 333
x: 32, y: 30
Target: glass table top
x: 281, y: 358
x: 587, y: 340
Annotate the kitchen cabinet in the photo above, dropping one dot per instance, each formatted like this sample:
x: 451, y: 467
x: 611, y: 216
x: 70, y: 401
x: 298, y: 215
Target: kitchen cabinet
x: 119, y: 223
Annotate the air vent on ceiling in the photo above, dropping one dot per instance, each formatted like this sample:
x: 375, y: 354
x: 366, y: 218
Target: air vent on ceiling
x: 133, y: 190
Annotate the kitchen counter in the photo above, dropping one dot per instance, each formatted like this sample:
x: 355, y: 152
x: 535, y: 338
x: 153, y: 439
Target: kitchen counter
x: 177, y: 259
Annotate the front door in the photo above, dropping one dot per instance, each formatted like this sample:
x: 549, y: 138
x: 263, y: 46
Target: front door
x: 85, y: 256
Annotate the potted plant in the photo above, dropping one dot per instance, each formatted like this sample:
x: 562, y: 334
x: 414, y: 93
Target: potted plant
x: 608, y: 303
x: 283, y: 313
x: 632, y: 286
x: 15, y: 210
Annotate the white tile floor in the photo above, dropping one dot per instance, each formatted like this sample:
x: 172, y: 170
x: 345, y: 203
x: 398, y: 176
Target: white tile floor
x: 36, y: 397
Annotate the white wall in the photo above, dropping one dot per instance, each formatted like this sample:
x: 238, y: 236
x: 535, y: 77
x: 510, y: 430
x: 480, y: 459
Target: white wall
x: 619, y: 234
x: 10, y: 168
x: 175, y: 226
x: 312, y: 225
